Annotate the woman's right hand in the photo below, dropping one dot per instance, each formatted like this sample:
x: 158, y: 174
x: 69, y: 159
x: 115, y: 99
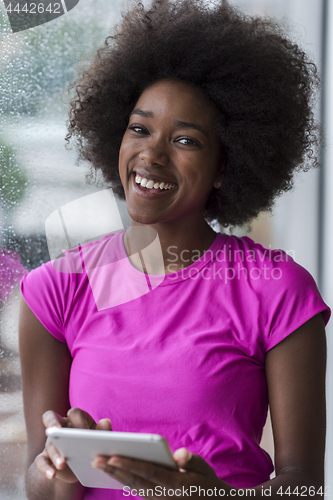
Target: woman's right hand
x: 50, y: 462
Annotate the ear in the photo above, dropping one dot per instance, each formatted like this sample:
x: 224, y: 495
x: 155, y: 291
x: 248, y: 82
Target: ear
x: 219, y: 177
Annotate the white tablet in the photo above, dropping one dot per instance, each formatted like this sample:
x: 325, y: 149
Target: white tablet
x: 80, y: 447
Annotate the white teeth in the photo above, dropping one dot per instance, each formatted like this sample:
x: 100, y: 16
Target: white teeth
x: 148, y: 183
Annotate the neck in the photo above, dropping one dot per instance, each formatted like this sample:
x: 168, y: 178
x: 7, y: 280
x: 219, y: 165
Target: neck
x: 180, y: 244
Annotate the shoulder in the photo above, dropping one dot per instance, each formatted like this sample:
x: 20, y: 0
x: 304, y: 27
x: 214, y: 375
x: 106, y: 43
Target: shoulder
x: 72, y: 265
x: 266, y: 265
x: 250, y: 251
x: 282, y: 293
x: 51, y: 290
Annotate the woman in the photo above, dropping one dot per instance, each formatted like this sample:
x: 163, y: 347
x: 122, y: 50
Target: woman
x: 207, y: 114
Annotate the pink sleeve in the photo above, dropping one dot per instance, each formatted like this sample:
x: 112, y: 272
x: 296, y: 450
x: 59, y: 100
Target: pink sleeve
x: 48, y: 294
x: 289, y: 301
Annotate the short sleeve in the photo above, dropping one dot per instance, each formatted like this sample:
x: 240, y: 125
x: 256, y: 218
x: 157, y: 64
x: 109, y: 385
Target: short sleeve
x: 289, y: 298
x: 48, y: 294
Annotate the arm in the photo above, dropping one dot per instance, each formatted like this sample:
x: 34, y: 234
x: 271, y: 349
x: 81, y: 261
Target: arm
x: 295, y: 373
x: 45, y: 364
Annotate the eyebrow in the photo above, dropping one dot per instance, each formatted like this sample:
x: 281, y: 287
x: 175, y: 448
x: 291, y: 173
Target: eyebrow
x: 190, y: 125
x: 140, y: 112
x: 178, y: 123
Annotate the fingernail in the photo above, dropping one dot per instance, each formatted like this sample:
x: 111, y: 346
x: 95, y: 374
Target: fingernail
x: 98, y: 463
x: 100, y: 466
x: 58, y: 462
x: 181, y: 453
x: 113, y: 461
x: 49, y: 474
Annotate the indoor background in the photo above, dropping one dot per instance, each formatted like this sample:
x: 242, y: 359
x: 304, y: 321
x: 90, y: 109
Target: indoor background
x: 38, y: 175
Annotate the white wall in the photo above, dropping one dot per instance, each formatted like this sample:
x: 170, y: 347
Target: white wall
x: 295, y: 221
x: 327, y: 278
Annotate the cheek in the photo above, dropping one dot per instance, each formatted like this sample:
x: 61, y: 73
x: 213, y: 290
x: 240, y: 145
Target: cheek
x: 127, y: 151
x: 200, y: 173
x: 122, y: 163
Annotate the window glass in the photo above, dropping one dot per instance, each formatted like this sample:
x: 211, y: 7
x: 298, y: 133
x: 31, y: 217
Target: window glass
x: 37, y: 176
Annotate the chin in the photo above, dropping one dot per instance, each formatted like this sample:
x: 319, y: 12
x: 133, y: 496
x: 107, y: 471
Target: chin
x: 143, y: 218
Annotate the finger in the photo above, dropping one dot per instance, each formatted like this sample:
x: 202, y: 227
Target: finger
x: 154, y: 474
x: 53, y: 419
x: 80, y: 419
x: 182, y: 456
x: 44, y: 465
x: 194, y: 463
x: 54, y: 456
x: 122, y: 475
x: 104, y: 425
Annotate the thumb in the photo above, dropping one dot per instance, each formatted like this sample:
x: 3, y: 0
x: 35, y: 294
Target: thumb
x: 104, y: 425
x: 194, y: 463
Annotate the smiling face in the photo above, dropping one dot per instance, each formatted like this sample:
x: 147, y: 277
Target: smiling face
x: 170, y: 146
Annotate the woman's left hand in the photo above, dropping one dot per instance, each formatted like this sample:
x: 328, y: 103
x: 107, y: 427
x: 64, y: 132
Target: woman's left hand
x: 193, y: 473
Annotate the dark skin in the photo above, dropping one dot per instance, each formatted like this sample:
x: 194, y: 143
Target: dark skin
x: 159, y: 144
x: 295, y: 368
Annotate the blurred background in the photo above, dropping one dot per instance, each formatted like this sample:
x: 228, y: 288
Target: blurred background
x: 38, y: 175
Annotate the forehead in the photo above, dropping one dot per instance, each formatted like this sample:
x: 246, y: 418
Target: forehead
x: 179, y: 99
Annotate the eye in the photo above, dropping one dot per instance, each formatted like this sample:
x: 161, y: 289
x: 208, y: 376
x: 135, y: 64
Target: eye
x: 138, y: 129
x: 187, y: 141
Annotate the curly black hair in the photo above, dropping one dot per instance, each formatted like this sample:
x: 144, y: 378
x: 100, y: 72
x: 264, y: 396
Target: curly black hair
x: 261, y: 82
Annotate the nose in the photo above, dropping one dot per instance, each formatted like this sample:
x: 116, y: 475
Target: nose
x: 154, y: 153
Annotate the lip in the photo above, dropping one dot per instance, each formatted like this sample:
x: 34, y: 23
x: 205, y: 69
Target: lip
x: 149, y: 193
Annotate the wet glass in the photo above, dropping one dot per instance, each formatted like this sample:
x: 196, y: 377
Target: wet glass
x: 37, y: 176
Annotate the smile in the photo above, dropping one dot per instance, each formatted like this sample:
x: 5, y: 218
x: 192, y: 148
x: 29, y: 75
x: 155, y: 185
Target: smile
x: 153, y: 184
x: 156, y: 188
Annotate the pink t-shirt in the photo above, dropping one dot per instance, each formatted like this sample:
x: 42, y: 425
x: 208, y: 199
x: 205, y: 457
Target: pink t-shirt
x: 186, y: 357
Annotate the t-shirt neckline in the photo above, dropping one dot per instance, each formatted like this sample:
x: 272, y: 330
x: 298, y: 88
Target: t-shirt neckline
x: 181, y: 275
